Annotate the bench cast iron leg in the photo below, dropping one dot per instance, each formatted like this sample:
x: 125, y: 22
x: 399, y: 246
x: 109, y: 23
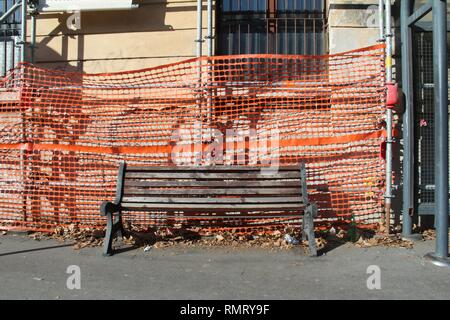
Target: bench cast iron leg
x: 308, y: 228
x: 304, y: 237
x: 114, y: 227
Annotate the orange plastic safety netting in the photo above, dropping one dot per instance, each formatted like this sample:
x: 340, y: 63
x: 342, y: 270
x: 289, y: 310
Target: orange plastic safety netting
x: 62, y: 135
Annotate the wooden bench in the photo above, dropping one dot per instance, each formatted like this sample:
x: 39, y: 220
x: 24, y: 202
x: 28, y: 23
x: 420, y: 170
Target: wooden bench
x: 237, y: 192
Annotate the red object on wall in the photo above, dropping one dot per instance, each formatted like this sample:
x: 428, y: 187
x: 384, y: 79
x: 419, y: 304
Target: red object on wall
x: 383, y: 150
x: 392, y: 95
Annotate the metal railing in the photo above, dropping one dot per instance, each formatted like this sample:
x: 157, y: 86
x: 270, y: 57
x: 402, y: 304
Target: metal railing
x: 272, y: 27
x: 10, y: 35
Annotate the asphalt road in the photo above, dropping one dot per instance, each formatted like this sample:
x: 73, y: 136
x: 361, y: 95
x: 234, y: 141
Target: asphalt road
x: 32, y: 269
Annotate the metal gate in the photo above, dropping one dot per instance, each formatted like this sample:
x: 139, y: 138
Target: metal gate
x: 424, y: 122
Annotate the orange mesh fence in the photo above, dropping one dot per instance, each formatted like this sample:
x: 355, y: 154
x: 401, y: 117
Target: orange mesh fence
x: 62, y: 135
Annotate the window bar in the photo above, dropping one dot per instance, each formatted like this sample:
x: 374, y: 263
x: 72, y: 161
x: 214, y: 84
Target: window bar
x: 249, y: 45
x: 314, y: 36
x: 295, y: 36
x: 304, y: 36
x: 239, y: 38
x: 267, y: 36
x: 230, y: 38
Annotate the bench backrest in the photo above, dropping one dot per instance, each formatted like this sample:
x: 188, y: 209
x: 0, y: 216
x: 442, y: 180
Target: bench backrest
x: 206, y: 188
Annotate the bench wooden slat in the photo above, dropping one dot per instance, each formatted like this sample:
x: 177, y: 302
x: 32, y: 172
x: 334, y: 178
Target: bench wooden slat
x: 128, y: 191
x: 213, y: 176
x: 209, y: 168
x: 222, y: 215
x: 212, y: 207
x: 213, y: 200
x: 213, y: 184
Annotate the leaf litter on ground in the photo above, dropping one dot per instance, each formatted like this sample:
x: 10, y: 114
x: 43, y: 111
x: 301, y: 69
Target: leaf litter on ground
x: 160, y: 238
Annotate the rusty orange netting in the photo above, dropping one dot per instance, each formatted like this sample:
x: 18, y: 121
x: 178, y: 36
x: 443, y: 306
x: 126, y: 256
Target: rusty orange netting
x: 62, y: 135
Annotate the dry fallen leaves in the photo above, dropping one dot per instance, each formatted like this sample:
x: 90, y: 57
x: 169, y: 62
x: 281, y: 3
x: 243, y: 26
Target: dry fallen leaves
x: 388, y: 241
x: 87, y: 237
x: 168, y: 237
x: 429, y: 234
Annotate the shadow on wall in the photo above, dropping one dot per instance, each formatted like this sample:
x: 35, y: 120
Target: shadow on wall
x: 149, y: 17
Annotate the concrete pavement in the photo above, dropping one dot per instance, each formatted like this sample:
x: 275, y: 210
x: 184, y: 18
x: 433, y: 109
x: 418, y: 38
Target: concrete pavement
x: 32, y: 269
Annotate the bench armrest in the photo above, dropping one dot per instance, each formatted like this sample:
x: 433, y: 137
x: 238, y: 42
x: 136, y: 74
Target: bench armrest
x: 108, y: 207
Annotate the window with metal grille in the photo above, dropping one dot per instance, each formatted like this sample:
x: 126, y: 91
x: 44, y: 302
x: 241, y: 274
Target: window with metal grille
x: 9, y: 37
x: 271, y: 26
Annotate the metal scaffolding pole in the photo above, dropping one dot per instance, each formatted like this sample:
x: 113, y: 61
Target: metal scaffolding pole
x: 198, y: 125
x: 199, y: 39
x: 33, y: 37
x: 23, y: 31
x: 388, y: 194
x: 440, y: 73
x: 209, y: 36
x: 380, y: 19
x: 408, y: 119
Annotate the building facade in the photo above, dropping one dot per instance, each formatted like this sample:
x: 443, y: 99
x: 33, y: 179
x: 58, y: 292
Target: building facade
x: 159, y: 32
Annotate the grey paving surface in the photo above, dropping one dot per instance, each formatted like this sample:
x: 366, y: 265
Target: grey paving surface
x: 32, y: 269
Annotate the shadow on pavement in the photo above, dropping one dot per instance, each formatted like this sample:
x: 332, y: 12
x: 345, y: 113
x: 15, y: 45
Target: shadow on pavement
x: 36, y: 249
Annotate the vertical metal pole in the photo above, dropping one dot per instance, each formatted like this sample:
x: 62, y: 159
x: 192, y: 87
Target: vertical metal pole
x: 380, y: 18
x: 440, y: 73
x: 199, y: 39
x: 408, y: 119
x: 388, y: 195
x: 198, y: 125
x: 33, y: 36
x: 209, y: 38
x: 23, y: 154
x: 4, y: 48
x: 210, y: 35
x: 441, y: 124
x: 381, y: 40
x: 23, y: 31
